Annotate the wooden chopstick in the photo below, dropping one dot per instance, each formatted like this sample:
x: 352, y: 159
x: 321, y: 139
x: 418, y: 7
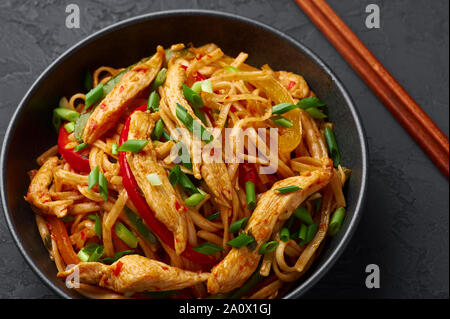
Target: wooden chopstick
x: 409, y: 114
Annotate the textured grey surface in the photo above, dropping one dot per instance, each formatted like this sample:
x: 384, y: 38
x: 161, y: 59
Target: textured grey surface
x: 404, y: 228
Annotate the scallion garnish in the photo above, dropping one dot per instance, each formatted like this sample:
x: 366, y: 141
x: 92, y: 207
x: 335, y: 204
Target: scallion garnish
x: 312, y: 230
x: 143, y: 230
x: 238, y: 225
x: 66, y: 114
x: 176, y: 176
x: 204, y: 85
x: 93, y: 96
x: 153, y: 101
x: 159, y: 127
x: 103, y: 185
x: 283, y: 108
x: 80, y: 147
x: 288, y: 189
x: 285, y: 235
x: 332, y: 146
x: 98, y: 225
x: 134, y: 146
x: 154, y: 179
x: 317, y: 204
x: 160, y: 78
x: 249, y: 284
x: 194, y: 199
x: 251, y: 195
x: 315, y: 113
x: 91, y: 253
x: 80, y: 125
x: 336, y: 221
x: 310, y: 102
x: 70, y: 127
x: 281, y: 121
x: 268, y: 247
x: 115, y: 149
x: 208, y: 249
x: 303, y: 214
x: 213, y: 216
x: 193, y: 97
x: 184, y: 116
x: 88, y: 81
x: 93, y: 177
x: 302, y: 233
x: 241, y: 240
x: 126, y: 235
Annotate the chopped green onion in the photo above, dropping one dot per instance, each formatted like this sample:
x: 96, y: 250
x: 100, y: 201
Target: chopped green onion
x: 294, y: 235
x: 134, y: 146
x: 285, y: 235
x: 288, y: 189
x: 188, y: 121
x: 201, y: 115
x: 241, y: 240
x: 66, y: 114
x: 69, y: 126
x: 166, y: 136
x: 160, y: 78
x: 153, y: 101
x: 231, y: 69
x: 142, y: 229
x: 93, y: 177
x: 115, y: 149
x: 312, y: 230
x: 283, y: 108
x: 194, y: 199
x: 238, y: 225
x: 111, y: 84
x: 116, y: 256
x: 88, y: 81
x: 310, y: 102
x: 251, y: 195
x: 79, y: 126
x: 103, y: 185
x: 126, y: 235
x: 332, y: 146
x: 204, y: 85
x: 93, y: 96
x: 268, y: 247
x: 80, y: 147
x: 193, y: 97
x: 303, y: 214
x: 176, y: 176
x: 289, y: 222
x: 213, y: 216
x: 316, y: 113
x: 56, y: 121
x: 281, y: 121
x: 302, y: 233
x: 91, y: 253
x: 161, y: 294
x: 208, y: 249
x: 159, y: 127
x: 98, y: 225
x: 336, y: 221
x: 154, y: 179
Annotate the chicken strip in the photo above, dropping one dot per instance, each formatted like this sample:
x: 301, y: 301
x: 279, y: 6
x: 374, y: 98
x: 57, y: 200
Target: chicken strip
x: 135, y: 273
x: 162, y: 199
x: 108, y: 112
x: 39, y: 195
x: 239, y: 264
x: 215, y: 172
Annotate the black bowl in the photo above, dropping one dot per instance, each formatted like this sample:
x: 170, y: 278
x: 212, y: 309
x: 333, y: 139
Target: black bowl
x: 30, y: 131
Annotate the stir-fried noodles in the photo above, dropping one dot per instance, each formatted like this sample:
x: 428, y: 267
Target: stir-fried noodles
x: 189, y: 174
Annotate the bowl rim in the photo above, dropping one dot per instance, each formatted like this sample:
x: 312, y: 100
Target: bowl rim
x: 345, y: 239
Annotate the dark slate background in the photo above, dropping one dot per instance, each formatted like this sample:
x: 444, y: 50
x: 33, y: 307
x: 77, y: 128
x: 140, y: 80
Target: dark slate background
x: 405, y: 226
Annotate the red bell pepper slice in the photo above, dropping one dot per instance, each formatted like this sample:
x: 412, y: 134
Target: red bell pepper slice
x: 131, y: 186
x: 75, y: 160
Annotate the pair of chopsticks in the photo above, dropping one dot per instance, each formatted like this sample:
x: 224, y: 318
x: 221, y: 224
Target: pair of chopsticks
x: 410, y: 115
